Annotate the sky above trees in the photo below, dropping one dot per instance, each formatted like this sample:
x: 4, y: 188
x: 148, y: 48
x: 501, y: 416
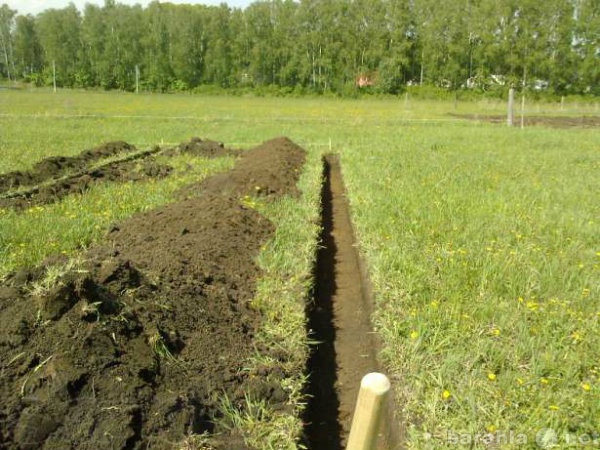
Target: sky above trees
x: 37, y: 6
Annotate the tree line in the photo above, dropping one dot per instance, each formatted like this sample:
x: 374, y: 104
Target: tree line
x: 309, y: 45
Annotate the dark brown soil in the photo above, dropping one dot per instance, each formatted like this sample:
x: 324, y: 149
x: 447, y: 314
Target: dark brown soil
x: 547, y: 121
x: 120, y: 171
x: 204, y: 148
x: 58, y: 166
x: 136, y: 347
x: 277, y: 179
x: 55, y: 178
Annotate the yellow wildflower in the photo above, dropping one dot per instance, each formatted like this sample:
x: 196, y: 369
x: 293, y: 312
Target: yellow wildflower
x: 532, y: 306
x: 491, y: 376
x: 446, y: 395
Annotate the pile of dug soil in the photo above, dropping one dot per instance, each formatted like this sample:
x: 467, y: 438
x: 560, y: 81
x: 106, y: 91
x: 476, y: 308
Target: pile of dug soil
x: 135, y: 346
x: 278, y: 172
x: 205, y: 148
x: 143, y: 168
x: 57, y: 166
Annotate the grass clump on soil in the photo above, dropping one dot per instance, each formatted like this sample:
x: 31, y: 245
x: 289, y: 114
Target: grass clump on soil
x: 482, y: 245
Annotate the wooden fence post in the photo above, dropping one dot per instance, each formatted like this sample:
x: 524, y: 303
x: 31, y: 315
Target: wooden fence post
x: 374, y: 389
x: 137, y: 79
x: 523, y: 110
x: 511, y: 107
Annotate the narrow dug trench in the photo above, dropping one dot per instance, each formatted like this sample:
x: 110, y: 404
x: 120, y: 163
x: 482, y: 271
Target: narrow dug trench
x: 339, y: 323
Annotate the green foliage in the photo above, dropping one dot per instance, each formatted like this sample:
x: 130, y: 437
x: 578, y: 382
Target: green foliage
x: 314, y: 46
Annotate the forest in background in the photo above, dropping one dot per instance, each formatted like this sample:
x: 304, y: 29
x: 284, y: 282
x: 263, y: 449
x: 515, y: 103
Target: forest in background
x: 310, y: 45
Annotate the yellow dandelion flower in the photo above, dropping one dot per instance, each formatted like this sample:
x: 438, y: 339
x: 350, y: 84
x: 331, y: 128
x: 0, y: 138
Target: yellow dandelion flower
x: 446, y: 395
x: 491, y: 376
x: 495, y: 331
x: 520, y: 381
x: 532, y: 306
x: 544, y: 381
x: 553, y: 408
x: 576, y: 336
x: 491, y: 428
x: 586, y: 387
x: 414, y: 334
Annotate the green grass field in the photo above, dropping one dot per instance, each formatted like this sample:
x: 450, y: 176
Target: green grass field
x: 482, y: 242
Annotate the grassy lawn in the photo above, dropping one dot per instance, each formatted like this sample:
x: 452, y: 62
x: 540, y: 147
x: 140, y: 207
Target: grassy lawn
x: 485, y: 259
x: 481, y: 241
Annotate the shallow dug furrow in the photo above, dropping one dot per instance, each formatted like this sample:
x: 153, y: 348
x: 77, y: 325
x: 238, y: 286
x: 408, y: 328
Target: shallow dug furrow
x: 546, y: 121
x: 143, y: 168
x: 136, y: 345
x: 57, y: 166
x: 55, y: 178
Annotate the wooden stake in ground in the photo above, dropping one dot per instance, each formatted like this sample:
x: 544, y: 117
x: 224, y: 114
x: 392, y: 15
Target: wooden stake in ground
x: 511, y: 107
x: 374, y: 389
x: 137, y: 79
x: 523, y: 111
